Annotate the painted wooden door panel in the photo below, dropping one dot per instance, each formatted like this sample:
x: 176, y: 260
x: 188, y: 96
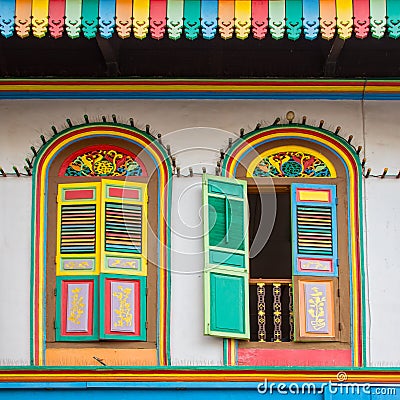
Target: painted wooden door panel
x: 122, y: 307
x: 77, y: 310
x: 227, y: 293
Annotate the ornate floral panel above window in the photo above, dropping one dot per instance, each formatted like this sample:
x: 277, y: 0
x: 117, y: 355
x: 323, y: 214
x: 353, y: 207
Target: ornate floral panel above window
x: 292, y: 162
x: 103, y: 161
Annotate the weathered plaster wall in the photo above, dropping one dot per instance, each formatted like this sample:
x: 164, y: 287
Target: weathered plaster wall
x: 15, y: 236
x: 382, y: 225
x: 26, y: 120
x: 196, y: 130
x: 189, y: 345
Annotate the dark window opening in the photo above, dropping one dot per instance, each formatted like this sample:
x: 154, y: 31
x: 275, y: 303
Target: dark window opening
x: 271, y: 301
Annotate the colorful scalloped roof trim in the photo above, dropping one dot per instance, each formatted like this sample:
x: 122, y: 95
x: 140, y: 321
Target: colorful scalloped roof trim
x: 192, y: 19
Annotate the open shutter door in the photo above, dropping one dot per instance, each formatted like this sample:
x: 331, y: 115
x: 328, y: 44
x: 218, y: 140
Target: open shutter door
x: 124, y: 260
x: 77, y: 261
x: 226, y: 257
x: 314, y: 241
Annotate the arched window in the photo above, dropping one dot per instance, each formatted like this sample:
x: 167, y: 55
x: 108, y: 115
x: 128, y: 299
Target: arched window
x: 297, y: 300
x: 100, y: 248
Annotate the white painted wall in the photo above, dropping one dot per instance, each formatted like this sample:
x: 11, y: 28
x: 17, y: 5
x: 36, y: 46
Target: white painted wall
x: 189, y: 345
x: 26, y: 120
x: 382, y: 199
x: 15, y: 236
x: 196, y: 130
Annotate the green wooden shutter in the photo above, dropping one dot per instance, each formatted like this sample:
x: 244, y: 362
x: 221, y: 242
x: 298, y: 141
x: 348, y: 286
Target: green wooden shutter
x: 226, y: 266
x: 315, y: 270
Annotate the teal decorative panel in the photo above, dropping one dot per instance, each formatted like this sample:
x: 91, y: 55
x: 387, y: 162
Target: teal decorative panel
x: 222, y: 257
x: 227, y: 293
x: 227, y: 189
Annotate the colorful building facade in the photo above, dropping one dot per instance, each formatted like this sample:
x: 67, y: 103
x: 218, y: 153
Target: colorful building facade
x: 182, y: 238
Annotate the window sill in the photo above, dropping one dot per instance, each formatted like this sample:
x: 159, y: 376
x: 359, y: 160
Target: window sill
x: 109, y: 356
x: 110, y: 344
x: 294, y: 345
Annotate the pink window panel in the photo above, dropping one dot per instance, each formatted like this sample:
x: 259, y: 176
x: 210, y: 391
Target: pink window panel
x: 122, y: 307
x: 77, y: 307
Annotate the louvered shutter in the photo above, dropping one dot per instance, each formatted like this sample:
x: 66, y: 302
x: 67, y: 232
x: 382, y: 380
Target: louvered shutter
x: 77, y: 261
x: 315, y: 263
x: 124, y: 260
x: 124, y: 227
x: 226, y: 264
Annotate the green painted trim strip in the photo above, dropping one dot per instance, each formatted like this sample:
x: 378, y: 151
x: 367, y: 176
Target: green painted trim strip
x: 225, y: 351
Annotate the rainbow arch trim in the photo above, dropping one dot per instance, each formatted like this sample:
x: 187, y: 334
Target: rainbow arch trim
x: 39, y: 214
x: 354, y: 171
x: 200, y: 18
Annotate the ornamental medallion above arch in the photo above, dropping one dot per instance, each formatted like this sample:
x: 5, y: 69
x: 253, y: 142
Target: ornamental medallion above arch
x: 292, y: 162
x: 103, y: 160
